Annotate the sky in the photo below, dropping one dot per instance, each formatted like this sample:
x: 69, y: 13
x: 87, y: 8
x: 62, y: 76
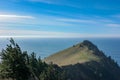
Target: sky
x: 60, y: 18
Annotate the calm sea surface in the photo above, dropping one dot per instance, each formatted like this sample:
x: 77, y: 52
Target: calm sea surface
x: 46, y: 46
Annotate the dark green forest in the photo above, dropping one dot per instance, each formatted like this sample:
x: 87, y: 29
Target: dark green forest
x: 18, y: 65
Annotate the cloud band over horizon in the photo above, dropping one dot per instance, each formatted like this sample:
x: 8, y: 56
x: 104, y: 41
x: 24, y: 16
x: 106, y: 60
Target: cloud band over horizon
x: 59, y: 18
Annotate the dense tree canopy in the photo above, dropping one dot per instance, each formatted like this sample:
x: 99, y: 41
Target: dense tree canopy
x: 13, y: 63
x: 18, y: 65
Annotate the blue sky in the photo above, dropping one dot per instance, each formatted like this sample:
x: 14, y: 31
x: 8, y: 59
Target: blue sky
x: 59, y: 18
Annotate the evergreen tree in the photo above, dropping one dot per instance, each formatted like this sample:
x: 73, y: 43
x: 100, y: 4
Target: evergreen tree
x: 13, y: 63
x: 18, y: 65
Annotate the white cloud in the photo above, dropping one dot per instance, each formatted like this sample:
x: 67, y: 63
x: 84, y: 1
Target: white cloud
x: 76, y: 20
x: 18, y: 20
x: 32, y: 33
x: 2, y: 16
x: 45, y: 20
x: 113, y: 25
x: 11, y: 18
x: 49, y: 34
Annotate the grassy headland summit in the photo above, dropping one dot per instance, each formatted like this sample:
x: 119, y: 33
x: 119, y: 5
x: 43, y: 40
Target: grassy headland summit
x: 84, y: 61
x: 80, y: 53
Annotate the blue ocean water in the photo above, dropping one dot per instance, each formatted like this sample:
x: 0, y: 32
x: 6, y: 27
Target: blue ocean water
x: 44, y: 47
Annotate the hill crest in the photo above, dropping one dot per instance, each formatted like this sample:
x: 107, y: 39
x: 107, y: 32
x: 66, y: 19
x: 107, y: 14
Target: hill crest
x: 82, y: 52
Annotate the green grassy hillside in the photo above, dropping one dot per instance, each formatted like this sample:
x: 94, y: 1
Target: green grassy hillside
x: 79, y: 53
x: 85, y: 61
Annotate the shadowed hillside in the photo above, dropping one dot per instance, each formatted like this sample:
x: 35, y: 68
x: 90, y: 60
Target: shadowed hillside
x: 85, y: 61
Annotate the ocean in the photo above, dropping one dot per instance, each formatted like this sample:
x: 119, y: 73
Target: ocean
x: 44, y: 47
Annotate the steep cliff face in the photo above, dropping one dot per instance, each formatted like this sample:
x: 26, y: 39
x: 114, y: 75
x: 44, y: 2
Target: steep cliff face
x: 85, y: 61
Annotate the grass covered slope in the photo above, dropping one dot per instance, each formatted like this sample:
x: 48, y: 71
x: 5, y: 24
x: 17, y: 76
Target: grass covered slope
x: 80, y: 53
x: 85, y: 61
